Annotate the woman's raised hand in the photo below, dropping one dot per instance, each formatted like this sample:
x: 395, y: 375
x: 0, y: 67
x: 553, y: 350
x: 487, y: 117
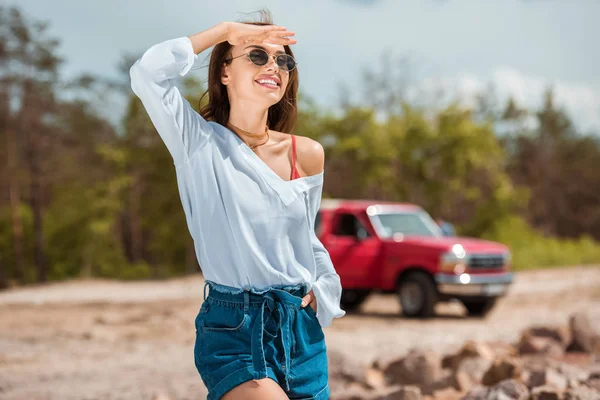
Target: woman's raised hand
x: 239, y: 33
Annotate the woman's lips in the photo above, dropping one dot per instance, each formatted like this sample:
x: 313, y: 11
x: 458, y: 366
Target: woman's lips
x: 268, y: 85
x: 268, y: 81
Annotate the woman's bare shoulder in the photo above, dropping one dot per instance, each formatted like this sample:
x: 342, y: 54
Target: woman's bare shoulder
x: 310, y: 155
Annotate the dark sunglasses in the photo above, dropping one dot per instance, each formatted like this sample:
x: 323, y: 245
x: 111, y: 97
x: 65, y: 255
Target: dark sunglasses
x: 260, y: 57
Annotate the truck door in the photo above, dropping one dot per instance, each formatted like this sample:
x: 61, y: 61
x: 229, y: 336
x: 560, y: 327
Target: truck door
x: 353, y: 251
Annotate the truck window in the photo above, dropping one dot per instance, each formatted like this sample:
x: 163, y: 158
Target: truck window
x: 349, y: 225
x: 409, y: 224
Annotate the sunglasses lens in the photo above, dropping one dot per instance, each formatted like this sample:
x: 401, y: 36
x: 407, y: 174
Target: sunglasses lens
x: 261, y: 57
x: 258, y: 57
x: 286, y: 62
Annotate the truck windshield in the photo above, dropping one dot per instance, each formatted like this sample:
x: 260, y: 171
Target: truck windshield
x: 409, y: 224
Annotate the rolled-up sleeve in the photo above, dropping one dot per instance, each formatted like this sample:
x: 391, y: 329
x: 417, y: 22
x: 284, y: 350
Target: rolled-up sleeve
x: 181, y: 128
x: 327, y: 287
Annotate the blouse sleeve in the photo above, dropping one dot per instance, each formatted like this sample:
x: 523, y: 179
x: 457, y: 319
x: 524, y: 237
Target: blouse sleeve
x: 181, y: 128
x: 327, y: 287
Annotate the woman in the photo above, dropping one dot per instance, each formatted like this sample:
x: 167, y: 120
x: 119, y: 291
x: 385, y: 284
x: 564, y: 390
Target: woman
x: 250, y: 191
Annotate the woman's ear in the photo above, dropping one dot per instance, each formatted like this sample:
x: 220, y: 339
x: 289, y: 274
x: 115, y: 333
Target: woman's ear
x: 225, y: 74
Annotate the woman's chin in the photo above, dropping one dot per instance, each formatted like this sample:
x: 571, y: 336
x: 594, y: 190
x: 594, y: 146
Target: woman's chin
x: 267, y: 100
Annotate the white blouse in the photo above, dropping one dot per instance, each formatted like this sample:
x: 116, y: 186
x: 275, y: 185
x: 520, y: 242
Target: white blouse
x: 251, y: 228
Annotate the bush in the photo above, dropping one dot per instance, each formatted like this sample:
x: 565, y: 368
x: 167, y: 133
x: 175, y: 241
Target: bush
x: 532, y: 250
x: 139, y: 270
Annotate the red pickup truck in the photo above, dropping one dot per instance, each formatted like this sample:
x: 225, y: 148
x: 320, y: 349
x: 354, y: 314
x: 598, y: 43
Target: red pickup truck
x: 398, y: 248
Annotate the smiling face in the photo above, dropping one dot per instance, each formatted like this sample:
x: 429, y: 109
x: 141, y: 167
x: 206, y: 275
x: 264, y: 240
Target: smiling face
x: 237, y: 83
x: 247, y: 82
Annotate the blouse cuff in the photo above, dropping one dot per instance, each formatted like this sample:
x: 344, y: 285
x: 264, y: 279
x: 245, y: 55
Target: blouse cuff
x: 328, y: 291
x: 170, y: 58
x: 191, y: 56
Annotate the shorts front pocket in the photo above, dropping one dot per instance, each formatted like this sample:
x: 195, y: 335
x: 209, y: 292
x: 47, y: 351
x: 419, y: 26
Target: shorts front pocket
x: 312, y: 313
x: 219, y: 318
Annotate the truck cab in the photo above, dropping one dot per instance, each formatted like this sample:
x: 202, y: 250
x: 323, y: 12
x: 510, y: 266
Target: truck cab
x: 397, y: 248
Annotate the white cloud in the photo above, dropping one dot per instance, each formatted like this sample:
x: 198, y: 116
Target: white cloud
x: 580, y: 101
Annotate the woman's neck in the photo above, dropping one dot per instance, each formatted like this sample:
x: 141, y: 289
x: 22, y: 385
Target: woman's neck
x: 251, y: 120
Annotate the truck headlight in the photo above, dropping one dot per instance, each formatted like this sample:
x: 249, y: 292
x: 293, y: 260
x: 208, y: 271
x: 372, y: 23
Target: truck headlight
x: 454, y: 261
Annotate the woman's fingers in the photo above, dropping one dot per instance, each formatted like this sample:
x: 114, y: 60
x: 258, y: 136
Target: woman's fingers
x: 271, y: 34
x: 281, y: 38
x: 274, y: 28
x: 282, y: 41
x: 282, y: 34
x: 310, y: 296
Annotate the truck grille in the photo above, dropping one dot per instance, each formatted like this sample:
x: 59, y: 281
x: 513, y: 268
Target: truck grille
x: 486, y: 261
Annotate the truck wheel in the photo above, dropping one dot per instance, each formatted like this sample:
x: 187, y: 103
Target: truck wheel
x: 479, y: 308
x: 417, y: 295
x: 353, y: 298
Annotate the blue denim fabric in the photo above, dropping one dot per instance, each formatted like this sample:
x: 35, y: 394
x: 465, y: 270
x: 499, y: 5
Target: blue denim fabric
x: 245, y: 334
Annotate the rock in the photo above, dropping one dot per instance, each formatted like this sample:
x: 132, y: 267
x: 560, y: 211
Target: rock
x: 572, y: 383
x: 474, y: 369
x: 404, y: 393
x: 501, y: 370
x: 503, y: 349
x: 448, y: 381
x: 463, y: 382
x: 374, y: 378
x: 538, y: 363
x: 471, y: 349
x: 594, y: 383
x: 546, y: 393
x: 508, y: 389
x: 547, y: 377
x: 469, y: 373
x: 477, y: 393
x: 573, y: 372
x: 560, y: 334
x: 540, y: 345
x: 582, y: 393
x: 350, y: 393
x: 343, y: 369
x: 585, y: 329
x: 421, y: 368
x: 447, y: 394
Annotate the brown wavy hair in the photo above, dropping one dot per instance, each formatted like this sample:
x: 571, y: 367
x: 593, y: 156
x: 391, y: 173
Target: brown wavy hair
x: 281, y: 116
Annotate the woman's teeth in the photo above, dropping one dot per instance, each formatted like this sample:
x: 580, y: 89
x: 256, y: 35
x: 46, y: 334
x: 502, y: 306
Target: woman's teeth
x: 267, y: 82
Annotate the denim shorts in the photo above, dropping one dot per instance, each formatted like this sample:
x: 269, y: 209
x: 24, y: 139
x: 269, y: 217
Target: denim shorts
x: 245, y: 334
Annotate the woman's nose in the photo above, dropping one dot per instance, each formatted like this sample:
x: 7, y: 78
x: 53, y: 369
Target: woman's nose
x: 272, y: 63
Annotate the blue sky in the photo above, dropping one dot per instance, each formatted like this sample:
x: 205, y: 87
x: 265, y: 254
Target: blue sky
x: 521, y: 46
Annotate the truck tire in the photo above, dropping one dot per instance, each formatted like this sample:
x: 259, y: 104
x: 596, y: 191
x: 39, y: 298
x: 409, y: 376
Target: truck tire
x: 479, y: 308
x: 353, y: 298
x: 417, y: 295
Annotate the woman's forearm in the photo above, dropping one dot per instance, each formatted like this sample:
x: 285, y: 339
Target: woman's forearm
x: 209, y: 37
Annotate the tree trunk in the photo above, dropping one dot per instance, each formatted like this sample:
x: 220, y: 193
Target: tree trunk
x: 30, y: 127
x: 15, y: 205
x: 135, y: 194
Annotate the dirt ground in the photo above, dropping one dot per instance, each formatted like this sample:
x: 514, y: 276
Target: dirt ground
x: 109, y: 340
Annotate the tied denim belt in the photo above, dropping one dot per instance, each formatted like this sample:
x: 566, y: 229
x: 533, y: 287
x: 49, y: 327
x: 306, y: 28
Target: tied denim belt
x: 276, y: 308
x: 276, y: 305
